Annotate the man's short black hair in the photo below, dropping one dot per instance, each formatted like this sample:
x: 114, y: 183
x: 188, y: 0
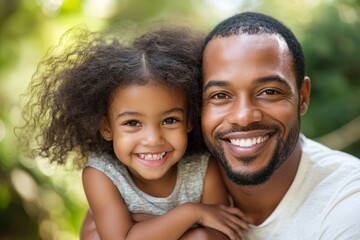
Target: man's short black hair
x: 257, y: 23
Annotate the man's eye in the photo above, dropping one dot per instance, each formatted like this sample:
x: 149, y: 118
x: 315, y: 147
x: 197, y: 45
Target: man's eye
x: 270, y: 92
x: 132, y: 123
x: 169, y: 121
x: 220, y: 96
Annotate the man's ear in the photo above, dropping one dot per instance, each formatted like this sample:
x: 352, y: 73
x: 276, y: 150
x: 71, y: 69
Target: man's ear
x: 305, y: 95
x: 105, y: 129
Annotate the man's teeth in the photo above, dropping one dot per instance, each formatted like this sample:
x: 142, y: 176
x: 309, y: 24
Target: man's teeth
x: 248, y: 142
x: 151, y: 157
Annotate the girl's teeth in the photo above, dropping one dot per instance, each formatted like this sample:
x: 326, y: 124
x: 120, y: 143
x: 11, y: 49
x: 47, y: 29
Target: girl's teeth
x: 152, y: 157
x: 248, y: 142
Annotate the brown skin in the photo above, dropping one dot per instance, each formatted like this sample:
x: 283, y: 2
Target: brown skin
x: 236, y: 95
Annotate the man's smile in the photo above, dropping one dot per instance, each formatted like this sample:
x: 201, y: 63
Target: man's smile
x: 248, y: 142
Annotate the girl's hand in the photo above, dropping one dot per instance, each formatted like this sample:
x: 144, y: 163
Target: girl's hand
x: 229, y: 220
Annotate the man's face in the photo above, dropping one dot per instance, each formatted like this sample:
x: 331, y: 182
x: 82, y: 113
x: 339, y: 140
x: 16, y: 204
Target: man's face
x: 250, y: 115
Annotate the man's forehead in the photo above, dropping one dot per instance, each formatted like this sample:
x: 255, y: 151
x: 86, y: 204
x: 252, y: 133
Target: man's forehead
x: 258, y: 55
x: 253, y: 39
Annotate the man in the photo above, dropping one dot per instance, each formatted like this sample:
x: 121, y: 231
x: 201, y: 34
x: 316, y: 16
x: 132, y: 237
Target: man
x: 254, y: 91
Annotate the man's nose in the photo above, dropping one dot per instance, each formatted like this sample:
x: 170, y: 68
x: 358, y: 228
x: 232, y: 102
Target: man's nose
x: 243, y: 112
x: 153, y: 137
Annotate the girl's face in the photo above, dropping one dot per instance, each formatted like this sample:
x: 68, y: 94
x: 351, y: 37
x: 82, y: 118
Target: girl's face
x: 148, y: 126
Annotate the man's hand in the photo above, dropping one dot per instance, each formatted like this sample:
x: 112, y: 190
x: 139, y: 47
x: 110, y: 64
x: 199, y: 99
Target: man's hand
x: 88, y: 229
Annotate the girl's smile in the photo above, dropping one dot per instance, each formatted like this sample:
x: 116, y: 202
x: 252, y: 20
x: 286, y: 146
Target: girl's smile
x: 152, y: 159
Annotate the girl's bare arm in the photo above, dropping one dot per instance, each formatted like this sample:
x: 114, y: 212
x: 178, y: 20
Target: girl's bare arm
x: 113, y: 220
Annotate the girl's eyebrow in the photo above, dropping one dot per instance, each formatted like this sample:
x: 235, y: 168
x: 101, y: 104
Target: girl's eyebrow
x: 174, y: 110
x: 137, y: 114
x: 128, y: 113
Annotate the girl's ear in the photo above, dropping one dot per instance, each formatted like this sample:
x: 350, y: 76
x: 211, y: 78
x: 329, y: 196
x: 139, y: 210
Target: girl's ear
x: 105, y: 129
x: 189, y: 127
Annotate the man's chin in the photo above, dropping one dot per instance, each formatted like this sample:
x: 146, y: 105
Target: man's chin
x: 249, y: 170
x: 249, y: 178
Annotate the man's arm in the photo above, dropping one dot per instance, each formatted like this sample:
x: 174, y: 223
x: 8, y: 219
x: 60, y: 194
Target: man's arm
x: 204, y: 233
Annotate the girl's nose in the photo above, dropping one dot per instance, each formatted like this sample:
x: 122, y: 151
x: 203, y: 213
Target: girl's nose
x: 153, y: 137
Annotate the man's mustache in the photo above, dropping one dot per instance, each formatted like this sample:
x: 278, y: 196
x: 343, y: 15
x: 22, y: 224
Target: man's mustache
x: 250, y: 127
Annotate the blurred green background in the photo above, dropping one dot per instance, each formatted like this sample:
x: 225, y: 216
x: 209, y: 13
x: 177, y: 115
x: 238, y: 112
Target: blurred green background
x: 39, y: 201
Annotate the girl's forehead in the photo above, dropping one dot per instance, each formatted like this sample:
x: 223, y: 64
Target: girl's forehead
x: 151, y: 85
x: 151, y: 95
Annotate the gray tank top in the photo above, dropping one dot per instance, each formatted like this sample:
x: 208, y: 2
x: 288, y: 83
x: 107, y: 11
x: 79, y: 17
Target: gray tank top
x: 188, y: 188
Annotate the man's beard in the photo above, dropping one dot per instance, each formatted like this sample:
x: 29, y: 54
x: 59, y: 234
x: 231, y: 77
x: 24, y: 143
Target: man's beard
x: 282, y: 151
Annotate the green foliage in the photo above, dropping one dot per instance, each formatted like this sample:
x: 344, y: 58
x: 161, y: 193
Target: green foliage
x: 38, y: 201
x: 331, y: 46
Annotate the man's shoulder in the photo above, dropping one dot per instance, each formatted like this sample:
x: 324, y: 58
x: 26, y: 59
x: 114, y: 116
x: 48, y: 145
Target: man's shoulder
x: 329, y: 173
x: 323, y: 155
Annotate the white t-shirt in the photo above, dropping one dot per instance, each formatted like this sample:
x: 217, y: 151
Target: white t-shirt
x: 323, y: 202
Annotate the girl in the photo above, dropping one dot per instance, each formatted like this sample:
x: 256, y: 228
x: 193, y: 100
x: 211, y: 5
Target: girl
x: 134, y: 110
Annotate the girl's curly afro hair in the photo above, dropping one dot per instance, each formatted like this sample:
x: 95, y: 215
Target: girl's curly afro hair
x: 70, y: 91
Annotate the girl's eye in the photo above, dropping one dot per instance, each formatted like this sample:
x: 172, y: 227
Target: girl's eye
x: 220, y: 96
x: 170, y: 121
x: 132, y: 123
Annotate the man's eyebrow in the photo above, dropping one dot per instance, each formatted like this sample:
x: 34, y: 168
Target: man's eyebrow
x: 216, y: 83
x: 274, y: 78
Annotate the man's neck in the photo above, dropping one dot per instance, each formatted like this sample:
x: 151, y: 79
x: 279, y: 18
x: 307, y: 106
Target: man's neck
x: 259, y: 201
